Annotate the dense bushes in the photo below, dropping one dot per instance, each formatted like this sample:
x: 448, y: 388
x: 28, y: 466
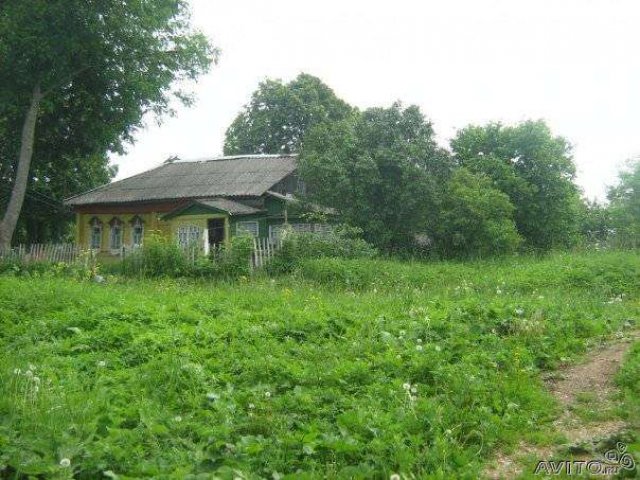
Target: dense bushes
x: 342, y: 242
x: 163, y: 257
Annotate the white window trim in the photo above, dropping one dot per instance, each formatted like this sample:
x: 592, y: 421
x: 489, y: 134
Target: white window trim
x: 253, y: 230
x: 193, y: 234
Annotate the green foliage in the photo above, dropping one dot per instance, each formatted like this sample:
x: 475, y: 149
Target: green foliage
x: 83, y: 269
x: 162, y: 257
x: 624, y: 207
x: 279, y: 115
x: 381, y: 170
x: 534, y: 169
x: 342, y: 242
x: 101, y: 66
x: 476, y: 219
x: 426, y: 371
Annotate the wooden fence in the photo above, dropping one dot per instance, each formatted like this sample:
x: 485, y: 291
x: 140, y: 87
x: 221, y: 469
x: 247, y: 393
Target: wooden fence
x: 263, y: 251
x: 41, y: 252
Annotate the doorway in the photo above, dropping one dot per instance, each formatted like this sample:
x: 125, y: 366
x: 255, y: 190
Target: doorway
x: 216, y: 232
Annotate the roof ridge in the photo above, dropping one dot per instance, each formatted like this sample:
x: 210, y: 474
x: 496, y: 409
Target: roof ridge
x: 238, y: 157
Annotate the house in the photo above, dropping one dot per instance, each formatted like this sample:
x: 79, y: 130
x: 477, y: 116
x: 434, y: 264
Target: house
x: 204, y: 202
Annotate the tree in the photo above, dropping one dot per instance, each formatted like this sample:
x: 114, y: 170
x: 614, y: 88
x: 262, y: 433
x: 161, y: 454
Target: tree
x: 381, y: 170
x: 278, y: 116
x: 624, y: 206
x: 535, y: 169
x: 108, y: 62
x: 476, y: 219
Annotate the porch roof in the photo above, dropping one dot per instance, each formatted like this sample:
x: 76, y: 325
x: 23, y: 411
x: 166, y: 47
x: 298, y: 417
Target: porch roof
x: 224, y: 205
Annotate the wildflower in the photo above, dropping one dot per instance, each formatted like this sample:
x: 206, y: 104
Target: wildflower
x: 406, y: 386
x: 414, y: 390
x: 36, y: 380
x: 448, y: 432
x: 419, y: 348
x: 17, y: 371
x: 414, y: 398
x: 267, y: 394
x: 419, y: 340
x: 394, y: 476
x: 177, y: 418
x: 498, y: 291
x: 520, y: 311
x: 65, y: 462
x: 437, y: 348
x: 102, y: 364
x: 251, y: 406
x: 399, y: 356
x: 212, y: 396
x: 403, y: 333
x: 29, y: 373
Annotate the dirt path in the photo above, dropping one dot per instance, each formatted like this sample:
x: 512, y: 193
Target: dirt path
x: 588, y: 384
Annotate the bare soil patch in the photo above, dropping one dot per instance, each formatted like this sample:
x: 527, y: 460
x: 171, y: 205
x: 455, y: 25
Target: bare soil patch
x: 593, y: 377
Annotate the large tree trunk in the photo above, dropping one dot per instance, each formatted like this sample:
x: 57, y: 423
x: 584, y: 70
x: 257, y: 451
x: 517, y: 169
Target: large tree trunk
x: 8, y: 224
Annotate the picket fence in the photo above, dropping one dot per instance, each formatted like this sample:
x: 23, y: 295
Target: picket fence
x: 41, y: 252
x: 263, y: 251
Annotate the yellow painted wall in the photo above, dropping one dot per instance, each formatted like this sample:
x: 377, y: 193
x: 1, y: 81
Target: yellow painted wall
x: 152, y: 225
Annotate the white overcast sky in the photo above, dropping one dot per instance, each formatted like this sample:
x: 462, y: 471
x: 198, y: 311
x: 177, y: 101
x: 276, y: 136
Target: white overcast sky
x: 573, y: 63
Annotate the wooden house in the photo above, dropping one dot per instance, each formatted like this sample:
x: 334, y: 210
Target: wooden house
x: 204, y: 202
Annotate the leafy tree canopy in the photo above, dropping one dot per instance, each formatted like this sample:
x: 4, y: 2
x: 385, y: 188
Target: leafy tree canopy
x: 476, y: 219
x: 535, y: 169
x: 624, y: 205
x: 80, y: 75
x: 278, y: 116
x: 380, y: 169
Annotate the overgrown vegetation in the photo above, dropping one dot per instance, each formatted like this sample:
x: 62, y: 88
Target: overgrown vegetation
x: 342, y: 242
x: 346, y: 369
x: 162, y: 257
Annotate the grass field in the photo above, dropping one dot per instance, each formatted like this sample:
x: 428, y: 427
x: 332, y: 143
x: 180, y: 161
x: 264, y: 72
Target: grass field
x: 347, y: 369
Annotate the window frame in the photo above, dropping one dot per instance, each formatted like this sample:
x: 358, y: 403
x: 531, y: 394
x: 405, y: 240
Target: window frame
x: 95, y: 226
x: 248, y: 232
x: 116, y: 225
x: 137, y: 223
x: 189, y: 232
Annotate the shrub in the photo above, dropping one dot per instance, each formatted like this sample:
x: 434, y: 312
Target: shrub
x: 342, y: 242
x: 162, y: 257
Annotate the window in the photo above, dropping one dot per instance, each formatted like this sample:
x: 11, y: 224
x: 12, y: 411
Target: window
x: 115, y: 234
x: 189, y: 235
x: 247, y: 228
x: 137, y: 231
x: 95, y: 226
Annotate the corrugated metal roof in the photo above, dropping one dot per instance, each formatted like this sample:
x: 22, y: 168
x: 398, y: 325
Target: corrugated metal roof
x: 250, y: 175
